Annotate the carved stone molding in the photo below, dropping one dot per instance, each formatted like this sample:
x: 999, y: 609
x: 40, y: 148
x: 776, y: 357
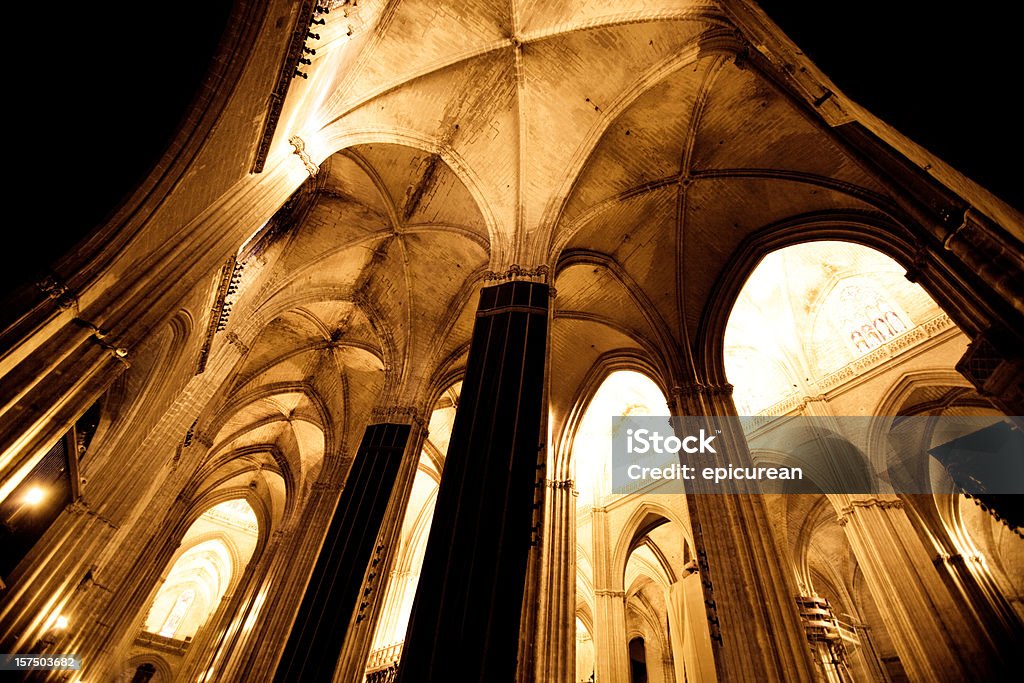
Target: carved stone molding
x: 58, y: 291
x: 300, y: 151
x: 921, y: 264
x: 719, y: 390
x: 398, y: 415
x: 892, y: 348
x: 563, y: 485
x: 237, y: 342
x: 687, y: 390
x: 844, y: 514
x: 987, y: 250
x: 517, y: 272
x: 609, y: 592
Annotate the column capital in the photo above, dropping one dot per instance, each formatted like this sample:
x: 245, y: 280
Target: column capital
x: 399, y: 415
x: 697, y: 388
x: 686, y: 390
x: 724, y: 389
x: 563, y: 485
x: 881, y: 503
x: 517, y: 272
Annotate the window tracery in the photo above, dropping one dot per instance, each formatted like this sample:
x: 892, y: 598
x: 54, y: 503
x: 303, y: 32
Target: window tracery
x: 868, y: 319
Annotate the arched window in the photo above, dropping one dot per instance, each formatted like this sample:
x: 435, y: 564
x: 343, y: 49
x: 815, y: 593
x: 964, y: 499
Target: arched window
x: 177, y: 613
x: 216, y: 549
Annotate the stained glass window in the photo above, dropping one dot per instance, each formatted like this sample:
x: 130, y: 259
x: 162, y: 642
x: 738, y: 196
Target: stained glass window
x: 869, y: 320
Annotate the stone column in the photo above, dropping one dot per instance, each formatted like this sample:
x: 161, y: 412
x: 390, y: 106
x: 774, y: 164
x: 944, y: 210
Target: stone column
x: 335, y: 589
x: 611, y: 651
x: 361, y: 628
x: 555, y: 659
x: 931, y: 636
x: 466, y: 616
x: 748, y: 588
x: 968, y: 579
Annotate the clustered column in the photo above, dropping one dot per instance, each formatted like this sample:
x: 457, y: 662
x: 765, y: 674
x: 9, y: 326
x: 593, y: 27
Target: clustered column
x: 334, y: 590
x: 466, y: 615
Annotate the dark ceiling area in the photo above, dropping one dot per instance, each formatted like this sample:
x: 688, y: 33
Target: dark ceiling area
x: 941, y: 73
x: 114, y: 80
x: 118, y: 78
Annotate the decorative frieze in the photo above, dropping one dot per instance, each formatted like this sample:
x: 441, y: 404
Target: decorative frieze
x: 719, y: 390
x: 563, y: 485
x: 687, y: 391
x: 909, y: 339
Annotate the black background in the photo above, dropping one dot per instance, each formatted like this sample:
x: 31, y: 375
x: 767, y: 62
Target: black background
x: 102, y: 87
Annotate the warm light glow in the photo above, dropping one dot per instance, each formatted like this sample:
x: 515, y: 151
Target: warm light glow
x: 197, y: 580
x: 61, y: 623
x: 810, y: 309
x: 34, y: 496
x: 623, y: 392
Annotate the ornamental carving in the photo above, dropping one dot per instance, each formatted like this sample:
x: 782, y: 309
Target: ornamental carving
x: 517, y: 272
x: 398, y: 415
x: 844, y: 514
x: 57, y: 291
x: 300, y: 151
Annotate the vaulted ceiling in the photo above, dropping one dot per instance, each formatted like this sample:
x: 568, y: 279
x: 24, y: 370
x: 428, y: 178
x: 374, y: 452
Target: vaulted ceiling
x: 631, y: 148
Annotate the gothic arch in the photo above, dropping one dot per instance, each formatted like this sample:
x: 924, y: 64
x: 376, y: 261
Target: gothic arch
x: 864, y: 228
x: 645, y: 517
x: 623, y: 360
x: 163, y: 669
x: 894, y: 398
x: 661, y: 346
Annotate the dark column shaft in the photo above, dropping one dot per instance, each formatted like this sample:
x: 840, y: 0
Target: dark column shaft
x: 465, y: 620
x: 333, y: 592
